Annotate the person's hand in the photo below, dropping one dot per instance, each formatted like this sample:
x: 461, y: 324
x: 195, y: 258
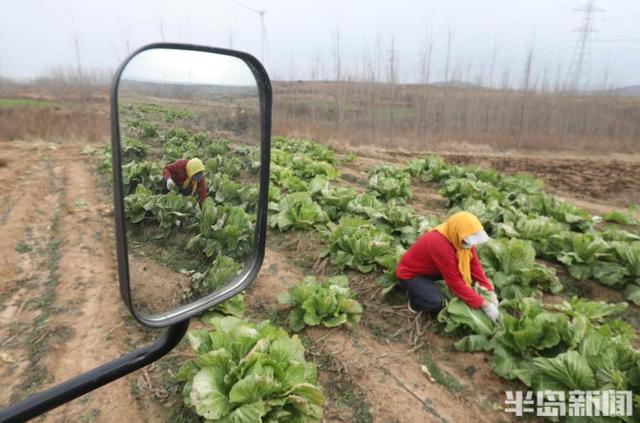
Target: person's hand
x: 491, y: 310
x: 170, y: 184
x: 493, y: 298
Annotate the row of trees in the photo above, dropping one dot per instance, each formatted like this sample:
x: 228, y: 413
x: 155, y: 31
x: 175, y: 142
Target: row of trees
x: 423, y: 116
x: 528, y: 108
x: 364, y: 99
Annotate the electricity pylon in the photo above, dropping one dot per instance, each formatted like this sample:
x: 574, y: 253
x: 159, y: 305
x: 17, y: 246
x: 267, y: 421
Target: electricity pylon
x: 580, y: 70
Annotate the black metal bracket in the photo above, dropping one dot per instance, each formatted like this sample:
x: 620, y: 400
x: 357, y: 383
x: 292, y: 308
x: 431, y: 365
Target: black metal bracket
x: 57, y: 395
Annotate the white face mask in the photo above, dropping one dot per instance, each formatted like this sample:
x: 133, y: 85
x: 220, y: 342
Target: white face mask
x: 476, y: 238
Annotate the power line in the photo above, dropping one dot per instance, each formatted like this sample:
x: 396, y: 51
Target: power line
x: 253, y: 9
x: 618, y: 40
x: 521, y: 33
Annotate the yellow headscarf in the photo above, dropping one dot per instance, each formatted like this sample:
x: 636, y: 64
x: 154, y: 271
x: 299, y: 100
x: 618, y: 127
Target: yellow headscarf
x: 456, y: 228
x: 193, y: 166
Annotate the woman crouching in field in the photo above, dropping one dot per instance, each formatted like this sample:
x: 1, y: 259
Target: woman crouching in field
x: 187, y: 175
x: 447, y: 252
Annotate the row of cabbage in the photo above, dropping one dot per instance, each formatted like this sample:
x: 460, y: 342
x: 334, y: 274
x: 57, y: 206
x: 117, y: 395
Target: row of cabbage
x: 517, y: 207
x: 217, y: 234
x: 367, y: 231
x: 244, y: 372
x: 572, y: 345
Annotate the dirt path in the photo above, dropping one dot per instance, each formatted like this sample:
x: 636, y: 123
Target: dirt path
x: 60, y: 311
x: 87, y: 292
x: 27, y: 270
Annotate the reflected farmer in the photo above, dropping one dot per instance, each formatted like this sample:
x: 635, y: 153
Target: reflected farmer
x: 447, y: 252
x: 187, y: 175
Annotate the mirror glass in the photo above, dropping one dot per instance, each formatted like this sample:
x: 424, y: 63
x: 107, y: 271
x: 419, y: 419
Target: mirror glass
x: 190, y: 140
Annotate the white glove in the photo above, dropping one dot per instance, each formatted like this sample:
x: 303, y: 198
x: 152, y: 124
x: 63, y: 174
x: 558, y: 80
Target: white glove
x: 170, y: 184
x: 491, y: 310
x: 493, y: 298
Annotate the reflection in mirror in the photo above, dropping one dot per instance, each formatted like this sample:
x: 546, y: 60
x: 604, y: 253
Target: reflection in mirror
x: 190, y: 138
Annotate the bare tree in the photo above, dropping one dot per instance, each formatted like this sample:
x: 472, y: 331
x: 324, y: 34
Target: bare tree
x: 560, y: 80
x: 445, y: 110
x: 83, y: 88
x: 126, y: 34
x: 374, y: 77
x: 1, y: 70
x: 506, y: 77
x: 292, y: 67
x: 607, y: 82
x: 447, y: 62
x: 76, y: 44
x: 492, y: 66
x: 3, y: 81
x: 230, y: 37
x: 161, y: 25
x: 316, y: 75
x: 425, y: 79
x: 479, y: 78
x: 525, y: 93
x: 292, y: 111
x: 337, y: 67
x: 544, y: 86
x: 392, y: 81
x: 466, y: 77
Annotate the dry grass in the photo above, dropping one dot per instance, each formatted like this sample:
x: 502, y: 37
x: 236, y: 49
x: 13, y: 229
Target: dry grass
x: 54, y: 110
x: 55, y: 125
x: 419, y: 117
x: 357, y: 115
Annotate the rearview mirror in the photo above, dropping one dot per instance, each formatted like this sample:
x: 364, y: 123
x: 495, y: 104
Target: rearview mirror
x: 190, y: 145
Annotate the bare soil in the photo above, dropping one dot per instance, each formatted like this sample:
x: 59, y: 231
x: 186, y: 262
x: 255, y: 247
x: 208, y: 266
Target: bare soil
x: 155, y: 288
x: 389, y: 373
x: 60, y: 308
x: 61, y: 314
x: 602, y: 180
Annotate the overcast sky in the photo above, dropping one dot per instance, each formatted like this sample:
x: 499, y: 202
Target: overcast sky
x: 36, y: 35
x: 188, y: 67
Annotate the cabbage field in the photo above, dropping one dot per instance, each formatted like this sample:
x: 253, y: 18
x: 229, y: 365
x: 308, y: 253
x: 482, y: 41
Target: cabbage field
x: 349, y: 233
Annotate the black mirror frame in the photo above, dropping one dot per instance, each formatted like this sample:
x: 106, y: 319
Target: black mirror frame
x: 255, y: 259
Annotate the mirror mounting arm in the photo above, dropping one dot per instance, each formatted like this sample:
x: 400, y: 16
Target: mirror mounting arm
x: 57, y: 395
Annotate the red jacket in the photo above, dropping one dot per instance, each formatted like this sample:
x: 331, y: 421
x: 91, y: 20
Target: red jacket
x: 178, y: 172
x: 433, y: 254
